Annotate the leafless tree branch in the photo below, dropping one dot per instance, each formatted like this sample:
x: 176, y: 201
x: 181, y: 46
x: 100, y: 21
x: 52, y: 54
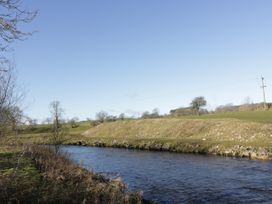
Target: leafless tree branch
x: 12, y: 16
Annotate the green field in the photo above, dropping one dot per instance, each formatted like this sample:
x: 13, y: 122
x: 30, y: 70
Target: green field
x: 255, y: 116
x: 246, y: 134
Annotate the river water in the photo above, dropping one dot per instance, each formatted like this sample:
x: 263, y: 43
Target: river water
x: 181, y: 178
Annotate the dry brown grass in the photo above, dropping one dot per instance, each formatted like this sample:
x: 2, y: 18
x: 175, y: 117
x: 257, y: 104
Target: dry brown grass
x: 38, y: 175
x: 70, y: 183
x: 217, y: 136
x: 180, y: 129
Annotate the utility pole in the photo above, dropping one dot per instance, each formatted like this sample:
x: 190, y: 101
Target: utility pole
x: 263, y: 88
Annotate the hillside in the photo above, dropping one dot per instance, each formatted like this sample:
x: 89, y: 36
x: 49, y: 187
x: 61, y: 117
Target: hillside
x: 242, y: 134
x: 231, y: 137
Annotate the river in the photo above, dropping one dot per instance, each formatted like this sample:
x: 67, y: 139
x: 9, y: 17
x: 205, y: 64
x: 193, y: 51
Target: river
x: 181, y: 178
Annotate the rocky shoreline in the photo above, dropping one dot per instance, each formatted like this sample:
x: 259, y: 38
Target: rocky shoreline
x: 235, y: 151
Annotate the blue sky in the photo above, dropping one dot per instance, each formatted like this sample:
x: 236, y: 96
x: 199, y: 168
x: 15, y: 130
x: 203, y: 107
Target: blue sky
x: 131, y: 56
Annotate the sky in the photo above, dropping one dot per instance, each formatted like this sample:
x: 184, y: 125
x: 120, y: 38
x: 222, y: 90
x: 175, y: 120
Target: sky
x: 132, y: 56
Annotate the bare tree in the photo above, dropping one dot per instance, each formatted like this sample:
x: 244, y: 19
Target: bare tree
x: 197, y: 103
x: 247, y: 105
x: 111, y: 118
x: 16, y: 116
x: 74, y: 122
x: 47, y: 121
x: 155, y: 113
x: 122, y: 116
x: 58, y: 129
x: 145, y: 115
x: 10, y: 96
x: 229, y: 107
x: 101, y: 116
x: 12, y: 16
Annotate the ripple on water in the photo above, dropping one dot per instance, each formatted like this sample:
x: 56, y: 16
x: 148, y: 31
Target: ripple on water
x: 182, y: 178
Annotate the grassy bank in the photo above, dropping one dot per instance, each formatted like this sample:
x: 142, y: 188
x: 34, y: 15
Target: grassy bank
x: 37, y: 175
x: 230, y: 137
x: 241, y: 134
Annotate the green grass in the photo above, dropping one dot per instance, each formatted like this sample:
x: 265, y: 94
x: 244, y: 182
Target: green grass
x: 40, y: 134
x: 251, y: 131
x: 254, y: 116
x: 46, y: 129
x: 20, y: 180
x: 83, y: 126
x: 206, y: 134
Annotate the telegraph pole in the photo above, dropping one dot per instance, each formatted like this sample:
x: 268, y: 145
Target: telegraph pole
x: 263, y: 88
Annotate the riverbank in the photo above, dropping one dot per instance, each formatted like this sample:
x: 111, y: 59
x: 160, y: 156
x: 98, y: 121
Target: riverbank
x: 37, y: 175
x: 226, y: 137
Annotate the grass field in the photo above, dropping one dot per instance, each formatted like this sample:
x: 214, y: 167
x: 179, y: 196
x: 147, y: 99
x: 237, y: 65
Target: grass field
x: 236, y: 134
x: 255, y: 116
